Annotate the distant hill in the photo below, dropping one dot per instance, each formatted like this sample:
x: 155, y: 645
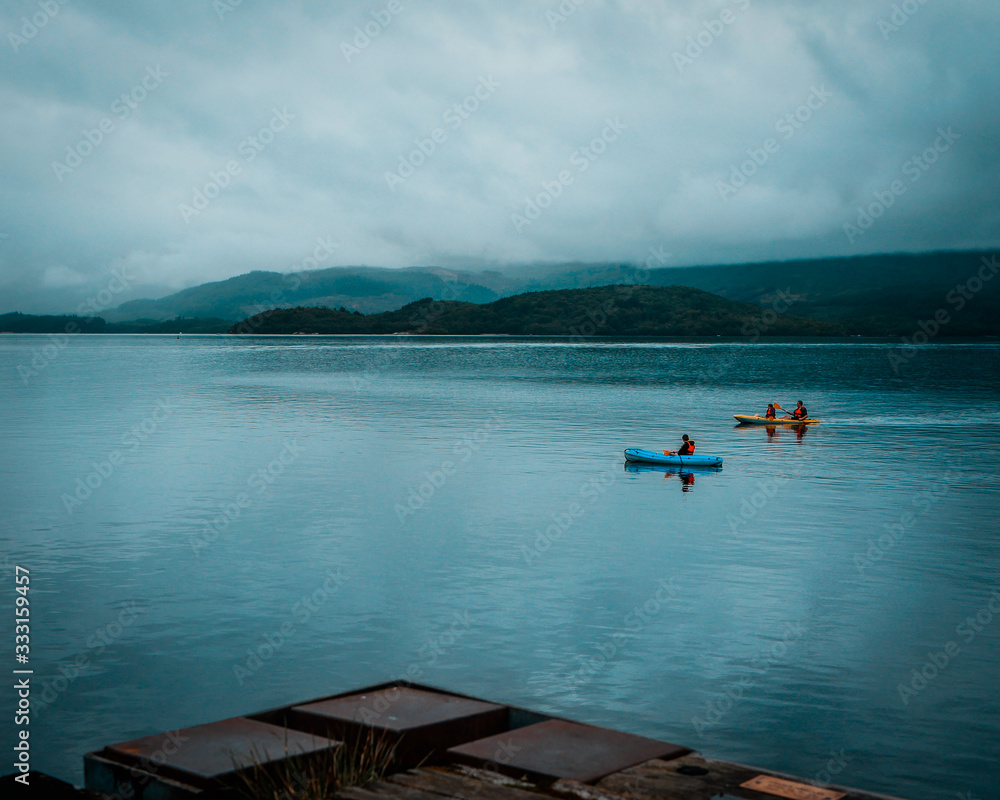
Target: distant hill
x: 603, y: 311
x: 873, y: 295
x: 29, y: 323
x: 880, y: 295
x: 68, y: 323
x: 365, y: 289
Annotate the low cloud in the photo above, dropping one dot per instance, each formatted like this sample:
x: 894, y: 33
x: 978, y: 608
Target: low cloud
x: 147, y: 106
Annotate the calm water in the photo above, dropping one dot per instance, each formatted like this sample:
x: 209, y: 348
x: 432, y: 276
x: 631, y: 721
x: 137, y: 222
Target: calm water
x: 459, y: 508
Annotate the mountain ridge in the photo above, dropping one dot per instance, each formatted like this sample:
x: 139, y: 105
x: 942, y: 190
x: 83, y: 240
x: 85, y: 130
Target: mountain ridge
x: 883, y: 294
x: 618, y: 310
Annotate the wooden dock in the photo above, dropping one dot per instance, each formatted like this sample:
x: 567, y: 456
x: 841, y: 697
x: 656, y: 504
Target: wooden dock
x: 446, y: 747
x: 690, y: 777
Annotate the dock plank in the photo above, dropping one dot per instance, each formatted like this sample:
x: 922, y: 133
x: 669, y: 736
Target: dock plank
x: 488, y: 776
x: 355, y: 793
x: 384, y: 790
x: 665, y: 780
x: 581, y: 791
x: 453, y: 785
x: 389, y: 788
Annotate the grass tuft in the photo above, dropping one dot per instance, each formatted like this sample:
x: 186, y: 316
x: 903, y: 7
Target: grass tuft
x: 361, y: 760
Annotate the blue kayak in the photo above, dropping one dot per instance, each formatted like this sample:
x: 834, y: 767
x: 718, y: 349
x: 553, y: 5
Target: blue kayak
x: 652, y: 457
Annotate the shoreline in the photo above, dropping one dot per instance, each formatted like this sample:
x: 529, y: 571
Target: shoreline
x: 554, y: 339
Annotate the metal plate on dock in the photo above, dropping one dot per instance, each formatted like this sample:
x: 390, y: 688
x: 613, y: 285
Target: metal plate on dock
x: 559, y: 749
x: 423, y: 724
x: 205, y: 753
x: 791, y: 789
x: 398, y: 709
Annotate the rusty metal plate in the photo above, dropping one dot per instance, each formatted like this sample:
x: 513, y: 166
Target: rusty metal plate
x: 796, y: 791
x: 398, y: 709
x: 421, y: 724
x: 559, y: 749
x: 205, y: 753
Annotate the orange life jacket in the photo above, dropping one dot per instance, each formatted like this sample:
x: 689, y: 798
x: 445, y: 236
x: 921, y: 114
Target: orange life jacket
x: 800, y: 413
x: 687, y: 449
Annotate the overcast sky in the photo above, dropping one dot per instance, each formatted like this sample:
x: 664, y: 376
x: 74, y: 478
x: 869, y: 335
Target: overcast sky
x: 196, y: 140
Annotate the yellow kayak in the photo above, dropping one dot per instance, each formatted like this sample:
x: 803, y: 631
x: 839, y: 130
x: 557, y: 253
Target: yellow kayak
x: 754, y: 419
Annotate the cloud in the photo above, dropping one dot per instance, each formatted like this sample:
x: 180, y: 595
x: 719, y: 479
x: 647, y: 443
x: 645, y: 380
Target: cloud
x: 61, y: 277
x: 187, y: 96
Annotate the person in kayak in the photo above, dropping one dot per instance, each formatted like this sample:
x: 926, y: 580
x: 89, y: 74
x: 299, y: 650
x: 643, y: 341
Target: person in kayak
x: 800, y: 411
x: 769, y: 414
x: 687, y: 448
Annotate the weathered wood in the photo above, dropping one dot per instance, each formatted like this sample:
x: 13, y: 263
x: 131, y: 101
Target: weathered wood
x: 659, y: 780
x: 488, y: 776
x: 390, y: 788
x: 582, y: 791
x: 662, y: 780
x: 433, y: 784
x: 462, y: 787
x: 355, y: 793
x: 656, y: 779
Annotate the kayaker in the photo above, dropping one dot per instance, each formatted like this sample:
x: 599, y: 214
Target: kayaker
x: 769, y: 414
x: 687, y: 448
x: 800, y: 411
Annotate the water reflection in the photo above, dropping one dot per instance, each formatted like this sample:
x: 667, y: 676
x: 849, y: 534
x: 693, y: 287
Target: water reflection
x: 799, y: 430
x: 776, y: 431
x: 686, y: 476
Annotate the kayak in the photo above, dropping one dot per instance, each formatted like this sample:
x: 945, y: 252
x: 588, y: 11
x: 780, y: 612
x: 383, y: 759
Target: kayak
x: 754, y: 419
x: 653, y: 457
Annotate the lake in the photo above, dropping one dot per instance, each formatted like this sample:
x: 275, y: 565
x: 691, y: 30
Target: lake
x: 458, y: 510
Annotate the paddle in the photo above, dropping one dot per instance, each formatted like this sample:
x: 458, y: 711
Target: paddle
x: 783, y: 411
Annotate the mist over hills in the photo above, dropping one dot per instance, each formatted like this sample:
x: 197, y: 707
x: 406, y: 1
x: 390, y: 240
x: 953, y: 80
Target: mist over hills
x: 365, y: 289
x: 875, y: 295
x: 883, y: 295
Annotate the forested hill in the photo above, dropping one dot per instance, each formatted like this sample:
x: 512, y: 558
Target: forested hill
x: 71, y: 323
x: 620, y: 310
x: 877, y: 295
